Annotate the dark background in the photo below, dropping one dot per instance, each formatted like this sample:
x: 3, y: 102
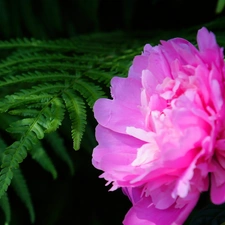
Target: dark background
x: 55, y: 18
x: 83, y: 199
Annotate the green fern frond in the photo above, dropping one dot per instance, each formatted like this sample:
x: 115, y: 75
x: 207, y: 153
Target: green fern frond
x: 39, y: 154
x: 29, y: 125
x: 29, y: 56
x: 43, y: 66
x: 77, y: 113
x: 20, y: 186
x: 5, y: 205
x: 26, y: 113
x: 36, y: 76
x: 40, y: 89
x: 4, y: 201
x: 96, y: 44
x: 2, y: 147
x: 58, y: 146
x: 21, y: 57
x: 31, y: 130
x: 56, y: 115
x: 90, y: 92
x: 13, y: 101
x: 63, y: 45
x: 41, y: 93
x: 6, y: 176
x: 41, y: 107
x: 6, y: 119
x: 100, y: 76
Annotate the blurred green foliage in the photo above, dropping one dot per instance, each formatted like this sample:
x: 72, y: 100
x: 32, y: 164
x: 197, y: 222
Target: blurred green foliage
x: 54, y: 18
x: 220, y: 6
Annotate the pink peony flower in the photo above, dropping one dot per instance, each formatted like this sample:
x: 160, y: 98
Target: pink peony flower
x: 163, y: 132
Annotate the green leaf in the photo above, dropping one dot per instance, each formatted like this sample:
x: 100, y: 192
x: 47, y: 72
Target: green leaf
x: 58, y: 146
x: 39, y: 154
x: 20, y: 187
x: 220, y: 6
x: 5, y: 205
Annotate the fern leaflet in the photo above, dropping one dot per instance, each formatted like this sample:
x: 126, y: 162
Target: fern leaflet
x: 20, y: 187
x: 89, y: 92
x: 77, y: 113
x: 39, y: 154
x: 59, y: 148
x: 5, y: 205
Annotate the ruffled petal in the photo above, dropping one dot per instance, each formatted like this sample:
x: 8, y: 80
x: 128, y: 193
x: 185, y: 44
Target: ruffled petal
x: 206, y: 39
x: 145, y: 213
x: 116, y: 116
x: 119, y: 86
x: 217, y: 191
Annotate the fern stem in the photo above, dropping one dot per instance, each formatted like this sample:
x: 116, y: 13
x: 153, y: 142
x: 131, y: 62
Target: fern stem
x: 59, y: 45
x: 33, y: 58
x: 45, y: 66
x: 35, y: 77
x: 26, y: 43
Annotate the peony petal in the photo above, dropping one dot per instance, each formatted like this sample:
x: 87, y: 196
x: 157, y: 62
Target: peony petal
x: 218, y: 173
x: 140, y: 63
x: 119, y: 86
x: 210, y: 52
x: 112, y: 143
x: 133, y: 194
x: 158, y: 64
x: 146, y: 154
x: 162, y: 198
x: 144, y: 213
x: 140, y: 134
x: 110, y: 114
x: 206, y: 39
x: 183, y: 184
x: 181, y: 50
x: 149, y: 82
x: 217, y: 95
x: 217, y: 193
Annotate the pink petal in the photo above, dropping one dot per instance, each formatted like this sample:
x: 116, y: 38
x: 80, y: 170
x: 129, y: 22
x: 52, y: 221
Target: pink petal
x: 181, y: 50
x: 119, y: 86
x: 140, y: 63
x: 144, y: 213
x: 110, y: 114
x: 206, y: 39
x: 147, y: 153
x: 217, y: 193
x: 111, y: 142
x: 158, y: 64
x: 210, y: 52
x: 149, y: 82
x: 162, y: 198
